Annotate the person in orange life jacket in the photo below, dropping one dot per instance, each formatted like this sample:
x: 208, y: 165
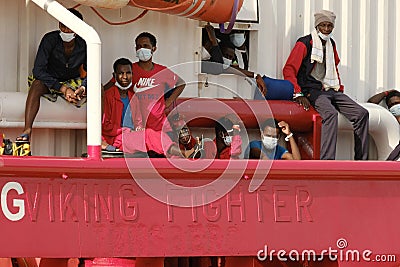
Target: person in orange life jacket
x: 228, y: 142
x: 268, y: 147
x: 117, y: 112
x: 57, y: 70
x: 312, y: 69
x: 392, y: 100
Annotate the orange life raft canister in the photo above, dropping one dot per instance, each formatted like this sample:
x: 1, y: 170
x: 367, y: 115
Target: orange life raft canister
x: 216, y: 11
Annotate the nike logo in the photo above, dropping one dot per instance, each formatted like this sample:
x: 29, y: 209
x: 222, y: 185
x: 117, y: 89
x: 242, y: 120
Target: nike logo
x: 144, y: 84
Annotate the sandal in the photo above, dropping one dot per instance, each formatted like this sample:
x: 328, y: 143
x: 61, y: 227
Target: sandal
x: 111, y: 152
x: 110, y: 148
x: 23, y: 138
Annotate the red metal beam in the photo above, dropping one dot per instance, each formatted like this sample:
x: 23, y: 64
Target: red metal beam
x: 89, y: 208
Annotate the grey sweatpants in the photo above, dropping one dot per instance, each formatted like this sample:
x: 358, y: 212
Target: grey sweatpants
x: 329, y: 104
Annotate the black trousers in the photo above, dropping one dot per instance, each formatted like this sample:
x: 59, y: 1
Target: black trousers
x: 395, y: 154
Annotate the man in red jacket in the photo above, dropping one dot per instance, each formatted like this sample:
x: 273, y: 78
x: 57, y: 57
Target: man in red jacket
x: 117, y: 112
x: 312, y: 69
x: 118, y: 123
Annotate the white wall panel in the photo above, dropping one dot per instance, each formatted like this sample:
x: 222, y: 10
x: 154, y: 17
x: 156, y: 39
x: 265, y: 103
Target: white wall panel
x: 367, y: 34
x: 9, y: 48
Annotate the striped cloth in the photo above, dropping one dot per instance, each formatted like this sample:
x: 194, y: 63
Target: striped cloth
x: 331, y: 79
x: 74, y: 84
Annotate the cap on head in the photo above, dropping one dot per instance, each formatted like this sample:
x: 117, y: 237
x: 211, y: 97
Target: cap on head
x: 324, y: 16
x: 75, y: 12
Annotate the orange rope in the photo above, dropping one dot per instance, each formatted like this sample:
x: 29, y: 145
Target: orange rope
x: 141, y: 15
x: 187, y: 2
x: 122, y: 22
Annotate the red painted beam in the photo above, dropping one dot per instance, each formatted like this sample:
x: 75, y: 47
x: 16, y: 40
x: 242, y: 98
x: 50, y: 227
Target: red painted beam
x: 58, y: 207
x: 118, y: 168
x: 252, y: 112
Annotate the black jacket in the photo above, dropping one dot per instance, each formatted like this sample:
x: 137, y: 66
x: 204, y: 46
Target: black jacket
x: 51, y: 66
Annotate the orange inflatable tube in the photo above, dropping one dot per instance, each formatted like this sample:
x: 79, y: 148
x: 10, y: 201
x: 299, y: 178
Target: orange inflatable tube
x: 216, y: 11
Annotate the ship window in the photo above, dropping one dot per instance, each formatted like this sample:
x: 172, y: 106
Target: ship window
x: 233, y: 46
x: 249, y: 12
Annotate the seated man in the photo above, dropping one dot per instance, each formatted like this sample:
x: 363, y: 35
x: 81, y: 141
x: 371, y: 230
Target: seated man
x: 392, y: 100
x: 268, y: 88
x: 312, y: 68
x: 118, y: 124
x: 183, y: 135
x: 156, y: 144
x: 57, y: 70
x: 116, y: 107
x: 268, y: 147
x: 227, y: 143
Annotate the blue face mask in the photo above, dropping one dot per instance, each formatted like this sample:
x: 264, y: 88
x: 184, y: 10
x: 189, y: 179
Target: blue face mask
x: 237, y: 39
x: 395, y: 110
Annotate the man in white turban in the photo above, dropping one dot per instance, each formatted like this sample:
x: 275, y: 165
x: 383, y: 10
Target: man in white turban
x: 312, y: 69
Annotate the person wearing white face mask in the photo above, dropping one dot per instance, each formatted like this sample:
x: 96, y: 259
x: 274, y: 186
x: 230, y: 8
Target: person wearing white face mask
x: 238, y: 39
x: 117, y: 112
x: 156, y: 87
x: 312, y: 68
x: 117, y: 123
x: 228, y: 52
x: 59, y: 69
x: 268, y: 148
x: 392, y: 100
x: 227, y: 143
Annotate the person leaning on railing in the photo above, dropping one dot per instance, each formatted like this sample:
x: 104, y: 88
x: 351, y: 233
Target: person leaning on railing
x: 392, y: 100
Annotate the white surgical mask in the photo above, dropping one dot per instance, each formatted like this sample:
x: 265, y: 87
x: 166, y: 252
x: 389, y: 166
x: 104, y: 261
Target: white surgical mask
x: 67, y: 37
x: 144, y: 54
x: 324, y: 36
x: 205, y: 55
x: 122, y: 87
x: 395, y: 110
x: 228, y: 140
x: 269, y: 142
x: 237, y: 39
x: 227, y: 62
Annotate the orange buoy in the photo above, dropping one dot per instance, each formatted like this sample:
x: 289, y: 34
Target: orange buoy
x: 216, y: 11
